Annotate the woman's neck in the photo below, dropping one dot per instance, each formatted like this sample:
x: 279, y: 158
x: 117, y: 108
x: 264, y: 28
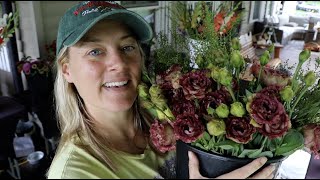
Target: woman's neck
x: 120, y: 131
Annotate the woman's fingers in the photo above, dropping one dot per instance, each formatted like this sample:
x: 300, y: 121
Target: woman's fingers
x: 245, y: 171
x: 194, y: 166
x: 266, y: 173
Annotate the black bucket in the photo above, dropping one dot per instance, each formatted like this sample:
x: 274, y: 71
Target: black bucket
x: 212, y: 164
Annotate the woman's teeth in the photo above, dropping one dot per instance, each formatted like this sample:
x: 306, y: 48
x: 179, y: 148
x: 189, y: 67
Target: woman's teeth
x: 116, y: 84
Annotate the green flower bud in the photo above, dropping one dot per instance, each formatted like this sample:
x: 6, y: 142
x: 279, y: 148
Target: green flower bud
x: 155, y: 91
x: 143, y: 91
x: 236, y: 59
x: 286, y: 93
x: 215, y: 73
x: 222, y: 111
x: 237, y: 109
x: 310, y: 78
x: 264, y: 58
x: 304, y: 55
x: 225, y: 77
x: 235, y: 44
x: 210, y: 110
x: 216, y: 127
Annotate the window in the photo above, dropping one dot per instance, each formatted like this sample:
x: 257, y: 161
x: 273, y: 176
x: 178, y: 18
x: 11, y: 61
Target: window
x: 256, y: 11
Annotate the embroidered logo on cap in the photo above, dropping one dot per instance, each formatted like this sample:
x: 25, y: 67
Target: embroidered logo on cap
x: 88, y: 7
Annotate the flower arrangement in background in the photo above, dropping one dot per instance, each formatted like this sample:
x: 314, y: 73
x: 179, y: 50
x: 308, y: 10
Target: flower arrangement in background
x: 51, y: 50
x: 32, y: 67
x: 8, y: 23
x: 193, y: 22
x: 227, y: 106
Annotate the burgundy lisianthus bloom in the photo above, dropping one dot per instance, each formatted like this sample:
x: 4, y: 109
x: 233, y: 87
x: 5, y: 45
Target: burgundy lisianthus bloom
x: 239, y: 129
x: 271, y: 76
x: 174, y: 95
x: 266, y: 109
x: 188, y: 128
x: 272, y: 90
x: 162, y: 136
x: 183, y: 106
x: 195, y: 84
x: 214, y: 99
x: 170, y: 78
x: 276, y: 129
x: 312, y: 139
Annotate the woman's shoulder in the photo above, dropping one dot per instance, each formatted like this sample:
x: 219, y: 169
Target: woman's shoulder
x: 74, y: 162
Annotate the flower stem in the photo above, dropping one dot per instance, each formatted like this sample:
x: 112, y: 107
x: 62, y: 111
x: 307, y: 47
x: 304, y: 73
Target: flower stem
x: 260, y: 71
x: 231, y: 93
x: 294, y: 80
x: 304, y: 90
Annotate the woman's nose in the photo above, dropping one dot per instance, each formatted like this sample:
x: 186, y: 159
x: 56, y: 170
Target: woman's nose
x: 116, y: 61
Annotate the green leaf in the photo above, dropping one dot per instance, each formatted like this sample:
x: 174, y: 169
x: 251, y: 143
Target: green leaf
x: 292, y: 141
x: 268, y: 154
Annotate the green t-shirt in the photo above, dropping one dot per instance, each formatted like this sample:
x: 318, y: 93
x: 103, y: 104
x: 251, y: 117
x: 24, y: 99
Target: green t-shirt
x: 75, y: 163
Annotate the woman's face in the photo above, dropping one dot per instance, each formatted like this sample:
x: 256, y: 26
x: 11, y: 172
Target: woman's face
x: 105, y: 67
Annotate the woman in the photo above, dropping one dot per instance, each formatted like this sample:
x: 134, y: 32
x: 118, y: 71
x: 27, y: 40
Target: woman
x: 104, y: 134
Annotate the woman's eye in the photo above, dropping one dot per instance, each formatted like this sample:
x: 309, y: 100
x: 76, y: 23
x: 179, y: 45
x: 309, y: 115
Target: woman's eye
x: 95, y: 52
x: 128, y: 48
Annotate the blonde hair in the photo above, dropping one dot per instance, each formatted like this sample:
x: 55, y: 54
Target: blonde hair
x: 74, y: 120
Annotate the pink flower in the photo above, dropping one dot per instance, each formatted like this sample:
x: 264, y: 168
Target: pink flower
x: 188, y: 128
x: 170, y: 78
x: 162, y: 136
x: 26, y: 68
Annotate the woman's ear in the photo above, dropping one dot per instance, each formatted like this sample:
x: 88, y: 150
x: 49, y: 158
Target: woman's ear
x: 66, y: 72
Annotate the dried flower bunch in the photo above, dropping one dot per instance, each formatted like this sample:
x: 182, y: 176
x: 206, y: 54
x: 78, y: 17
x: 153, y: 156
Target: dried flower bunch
x: 227, y: 106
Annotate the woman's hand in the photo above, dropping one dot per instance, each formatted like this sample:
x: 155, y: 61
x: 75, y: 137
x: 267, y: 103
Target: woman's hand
x: 241, y: 173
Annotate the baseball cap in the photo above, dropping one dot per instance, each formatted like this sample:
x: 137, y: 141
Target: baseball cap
x: 80, y: 18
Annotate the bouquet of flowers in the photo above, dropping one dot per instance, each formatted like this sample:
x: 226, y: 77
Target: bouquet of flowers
x: 226, y: 106
x: 7, y: 27
x: 31, y: 67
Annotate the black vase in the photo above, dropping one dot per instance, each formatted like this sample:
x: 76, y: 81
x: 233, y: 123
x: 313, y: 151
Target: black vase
x: 212, y: 164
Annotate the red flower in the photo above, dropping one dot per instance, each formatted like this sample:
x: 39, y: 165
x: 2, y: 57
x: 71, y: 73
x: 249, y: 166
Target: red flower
x: 214, y: 99
x: 239, y: 129
x: 195, y: 84
x: 276, y: 129
x: 183, y: 106
x: 312, y: 139
x: 266, y: 109
x: 273, y: 91
x: 162, y: 136
x: 188, y: 128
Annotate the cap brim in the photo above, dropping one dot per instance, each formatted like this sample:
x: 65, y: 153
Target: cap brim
x: 141, y: 28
